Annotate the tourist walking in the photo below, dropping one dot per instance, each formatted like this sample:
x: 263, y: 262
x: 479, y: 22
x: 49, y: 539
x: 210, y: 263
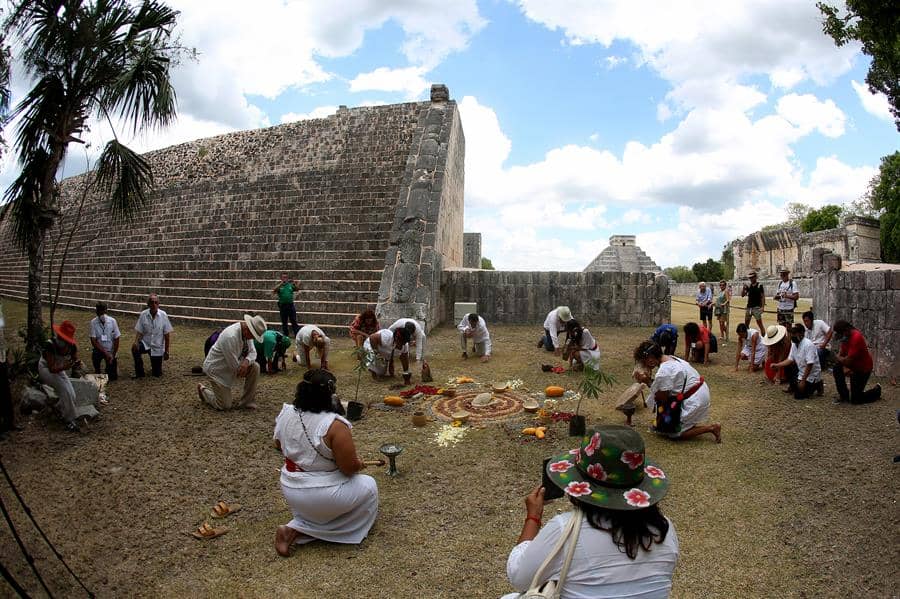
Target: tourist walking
x: 704, y: 301
x: 104, y: 335
x: 233, y: 357
x: 554, y: 324
x: 287, y: 310
x: 152, y: 331
x: 786, y: 296
x: 756, y: 301
x: 472, y: 326
x: 853, y: 361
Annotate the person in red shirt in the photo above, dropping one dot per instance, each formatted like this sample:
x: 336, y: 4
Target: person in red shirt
x: 697, y: 343
x: 855, y: 361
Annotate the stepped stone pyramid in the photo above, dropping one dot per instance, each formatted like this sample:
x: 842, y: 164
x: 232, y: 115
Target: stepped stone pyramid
x: 360, y: 208
x: 623, y: 255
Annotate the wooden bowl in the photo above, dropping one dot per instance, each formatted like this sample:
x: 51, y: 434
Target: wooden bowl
x: 461, y: 415
x: 531, y: 405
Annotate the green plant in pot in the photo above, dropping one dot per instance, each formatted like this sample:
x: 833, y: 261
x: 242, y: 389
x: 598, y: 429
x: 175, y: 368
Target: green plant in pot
x: 361, y: 358
x: 591, y: 384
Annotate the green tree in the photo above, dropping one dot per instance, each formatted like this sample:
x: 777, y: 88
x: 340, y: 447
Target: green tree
x: 884, y: 195
x: 826, y: 217
x: 796, y: 212
x: 711, y: 270
x: 875, y: 24
x: 103, y: 58
x: 680, y: 274
x: 728, y: 262
x: 486, y: 263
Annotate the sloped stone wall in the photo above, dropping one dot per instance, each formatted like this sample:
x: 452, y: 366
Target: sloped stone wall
x: 596, y: 298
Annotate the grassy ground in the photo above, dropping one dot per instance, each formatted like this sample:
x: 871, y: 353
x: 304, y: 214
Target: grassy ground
x: 800, y: 499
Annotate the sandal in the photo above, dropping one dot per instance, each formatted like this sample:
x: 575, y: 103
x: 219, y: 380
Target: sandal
x: 223, y: 509
x: 205, y: 531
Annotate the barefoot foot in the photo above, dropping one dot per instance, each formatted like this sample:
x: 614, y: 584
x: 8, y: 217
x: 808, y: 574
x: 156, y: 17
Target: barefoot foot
x: 717, y: 431
x: 284, y: 538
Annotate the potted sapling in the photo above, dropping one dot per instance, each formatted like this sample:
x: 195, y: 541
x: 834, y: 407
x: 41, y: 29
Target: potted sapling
x: 592, y: 382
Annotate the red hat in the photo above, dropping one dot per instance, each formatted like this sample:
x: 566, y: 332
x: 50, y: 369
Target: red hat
x: 65, y: 331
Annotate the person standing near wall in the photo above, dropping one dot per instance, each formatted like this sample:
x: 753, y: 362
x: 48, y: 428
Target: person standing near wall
x: 704, y: 302
x: 285, y: 290
x: 723, y: 309
x: 786, y: 296
x: 756, y: 301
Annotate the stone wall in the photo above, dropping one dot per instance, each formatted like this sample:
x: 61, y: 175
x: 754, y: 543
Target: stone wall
x: 596, y: 298
x: 427, y: 234
x: 472, y: 250
x: 857, y: 240
x: 870, y: 301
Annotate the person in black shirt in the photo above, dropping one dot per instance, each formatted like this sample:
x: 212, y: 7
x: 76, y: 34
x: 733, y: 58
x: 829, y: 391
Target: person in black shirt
x: 756, y: 301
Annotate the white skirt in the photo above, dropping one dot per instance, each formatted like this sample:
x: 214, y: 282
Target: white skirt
x: 695, y: 408
x: 341, y: 513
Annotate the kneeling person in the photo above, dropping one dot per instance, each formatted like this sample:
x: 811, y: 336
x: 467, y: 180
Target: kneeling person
x: 802, y: 367
x: 380, y: 349
x: 309, y: 337
x: 473, y: 327
x: 271, y: 350
x: 750, y: 348
x: 233, y: 357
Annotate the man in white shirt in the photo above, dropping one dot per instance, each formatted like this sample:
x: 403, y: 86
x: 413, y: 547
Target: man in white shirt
x: 416, y: 334
x: 473, y: 327
x: 554, y: 324
x: 820, y: 334
x: 786, y: 296
x: 802, y: 361
x: 233, y: 357
x: 308, y: 337
x: 104, y: 335
x: 152, y: 337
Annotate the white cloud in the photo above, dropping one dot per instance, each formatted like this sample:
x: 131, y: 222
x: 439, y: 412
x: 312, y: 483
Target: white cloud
x: 320, y: 112
x: 808, y: 113
x: 614, y: 61
x: 875, y: 104
x: 409, y: 80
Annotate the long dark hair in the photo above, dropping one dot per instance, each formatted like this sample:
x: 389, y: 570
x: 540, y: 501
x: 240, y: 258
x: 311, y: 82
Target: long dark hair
x: 630, y: 529
x: 691, y: 332
x: 574, y: 331
x: 314, y: 392
x: 647, y: 349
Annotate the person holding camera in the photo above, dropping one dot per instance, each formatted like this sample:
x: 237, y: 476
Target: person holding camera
x: 786, y: 296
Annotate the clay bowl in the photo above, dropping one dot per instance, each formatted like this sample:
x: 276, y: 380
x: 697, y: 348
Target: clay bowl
x: 461, y: 415
x: 419, y: 419
x: 530, y: 405
x: 500, y: 387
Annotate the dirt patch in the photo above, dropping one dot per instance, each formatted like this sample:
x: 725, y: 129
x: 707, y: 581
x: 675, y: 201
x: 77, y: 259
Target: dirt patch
x: 798, y: 501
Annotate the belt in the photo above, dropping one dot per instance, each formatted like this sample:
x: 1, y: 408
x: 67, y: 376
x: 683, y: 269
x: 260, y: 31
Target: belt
x: 692, y: 390
x: 593, y: 348
x: 292, y: 466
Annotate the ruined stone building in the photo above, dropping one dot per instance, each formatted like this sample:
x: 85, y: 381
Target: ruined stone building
x: 363, y: 208
x: 623, y: 255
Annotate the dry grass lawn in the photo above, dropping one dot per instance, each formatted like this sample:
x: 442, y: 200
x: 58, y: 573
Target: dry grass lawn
x: 800, y: 499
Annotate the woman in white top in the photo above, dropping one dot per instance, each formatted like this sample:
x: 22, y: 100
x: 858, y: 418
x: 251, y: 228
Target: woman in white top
x: 581, y: 348
x: 625, y: 546
x: 675, y: 376
x: 380, y: 348
x: 750, y: 343
x: 320, y: 481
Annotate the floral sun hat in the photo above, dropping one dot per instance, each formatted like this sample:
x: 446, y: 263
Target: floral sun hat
x: 610, y: 470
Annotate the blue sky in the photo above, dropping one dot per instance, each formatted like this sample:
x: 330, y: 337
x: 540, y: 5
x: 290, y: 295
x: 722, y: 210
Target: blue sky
x: 687, y: 123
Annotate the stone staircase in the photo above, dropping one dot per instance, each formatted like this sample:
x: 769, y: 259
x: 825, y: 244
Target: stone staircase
x: 623, y: 259
x: 315, y: 199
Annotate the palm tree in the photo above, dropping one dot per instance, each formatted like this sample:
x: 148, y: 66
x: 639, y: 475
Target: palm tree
x: 97, y: 58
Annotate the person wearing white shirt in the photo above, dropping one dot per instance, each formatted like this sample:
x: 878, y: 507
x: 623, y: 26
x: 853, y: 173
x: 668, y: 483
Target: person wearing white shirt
x: 308, y: 337
x: 802, y: 365
x: 472, y: 326
x: 151, y: 337
x: 786, y: 296
x: 104, y: 335
x: 820, y: 334
x: 554, y: 324
x: 380, y: 348
x: 581, y: 348
x: 233, y: 357
x: 750, y: 344
x: 416, y: 334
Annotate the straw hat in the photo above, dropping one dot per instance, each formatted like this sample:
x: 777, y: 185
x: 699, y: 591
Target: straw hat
x: 629, y: 397
x: 257, y: 326
x: 774, y: 334
x: 609, y: 470
x: 65, y: 331
x: 564, y: 314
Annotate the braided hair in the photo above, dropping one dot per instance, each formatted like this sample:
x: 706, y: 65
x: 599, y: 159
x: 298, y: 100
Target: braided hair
x: 315, y: 391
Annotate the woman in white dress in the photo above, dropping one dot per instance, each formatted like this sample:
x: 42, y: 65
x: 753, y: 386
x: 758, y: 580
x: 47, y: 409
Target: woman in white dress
x: 581, y: 348
x: 676, y: 376
x: 320, y: 478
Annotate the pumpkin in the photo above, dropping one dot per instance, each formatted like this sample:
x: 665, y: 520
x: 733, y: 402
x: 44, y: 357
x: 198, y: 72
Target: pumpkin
x: 394, y: 400
x: 554, y: 391
x: 529, y: 431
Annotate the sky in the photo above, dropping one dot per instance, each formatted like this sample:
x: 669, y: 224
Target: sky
x: 688, y: 123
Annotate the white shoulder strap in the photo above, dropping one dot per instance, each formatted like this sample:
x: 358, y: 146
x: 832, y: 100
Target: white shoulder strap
x: 573, y: 526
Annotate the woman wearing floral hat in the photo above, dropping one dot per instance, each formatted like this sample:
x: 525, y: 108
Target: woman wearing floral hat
x: 616, y: 542
x: 59, y: 354
x: 676, y: 376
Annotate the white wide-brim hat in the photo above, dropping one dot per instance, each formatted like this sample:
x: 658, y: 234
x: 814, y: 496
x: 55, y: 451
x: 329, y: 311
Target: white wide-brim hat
x: 257, y: 326
x: 774, y: 334
x: 564, y: 313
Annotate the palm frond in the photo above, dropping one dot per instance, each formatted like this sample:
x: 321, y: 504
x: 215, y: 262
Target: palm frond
x: 153, y: 16
x: 23, y: 206
x: 126, y: 177
x: 143, y: 92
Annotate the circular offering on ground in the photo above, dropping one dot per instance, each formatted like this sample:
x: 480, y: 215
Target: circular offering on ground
x: 503, y: 406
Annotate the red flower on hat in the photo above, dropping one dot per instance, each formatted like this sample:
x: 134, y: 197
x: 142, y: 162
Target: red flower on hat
x: 591, y: 447
x: 577, y: 489
x: 576, y: 453
x: 634, y: 459
x: 654, y: 472
x: 561, y: 466
x: 637, y: 498
x: 596, y: 472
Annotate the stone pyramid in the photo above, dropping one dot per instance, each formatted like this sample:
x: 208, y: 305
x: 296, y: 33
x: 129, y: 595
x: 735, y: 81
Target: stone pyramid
x: 623, y: 255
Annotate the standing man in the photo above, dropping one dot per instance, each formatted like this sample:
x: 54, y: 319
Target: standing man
x: 786, y: 296
x: 233, y: 357
x: 704, y: 301
x: 854, y: 360
x: 104, y: 334
x: 819, y: 333
x: 756, y: 301
x: 554, y: 324
x: 801, y: 367
x: 285, y: 290
x: 473, y: 327
x: 152, y: 337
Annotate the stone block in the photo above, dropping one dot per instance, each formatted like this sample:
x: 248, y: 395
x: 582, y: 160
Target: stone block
x: 875, y: 280
x: 895, y: 279
x: 404, y: 284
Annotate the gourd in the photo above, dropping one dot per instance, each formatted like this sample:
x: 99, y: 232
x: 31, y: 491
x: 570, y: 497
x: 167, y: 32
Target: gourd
x: 538, y: 431
x: 394, y: 400
x: 554, y: 391
x: 529, y: 431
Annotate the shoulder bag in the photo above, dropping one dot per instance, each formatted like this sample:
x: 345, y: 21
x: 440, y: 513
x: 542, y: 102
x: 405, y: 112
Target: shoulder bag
x: 552, y: 588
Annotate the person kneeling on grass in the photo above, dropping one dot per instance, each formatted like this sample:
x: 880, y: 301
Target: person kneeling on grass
x: 581, y: 348
x: 271, y: 351
x: 233, y: 357
x: 801, y: 367
x: 855, y: 361
x: 381, y: 346
x: 699, y: 343
x: 309, y: 337
x: 677, y: 377
x: 749, y: 344
x: 328, y: 497
x: 472, y: 326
